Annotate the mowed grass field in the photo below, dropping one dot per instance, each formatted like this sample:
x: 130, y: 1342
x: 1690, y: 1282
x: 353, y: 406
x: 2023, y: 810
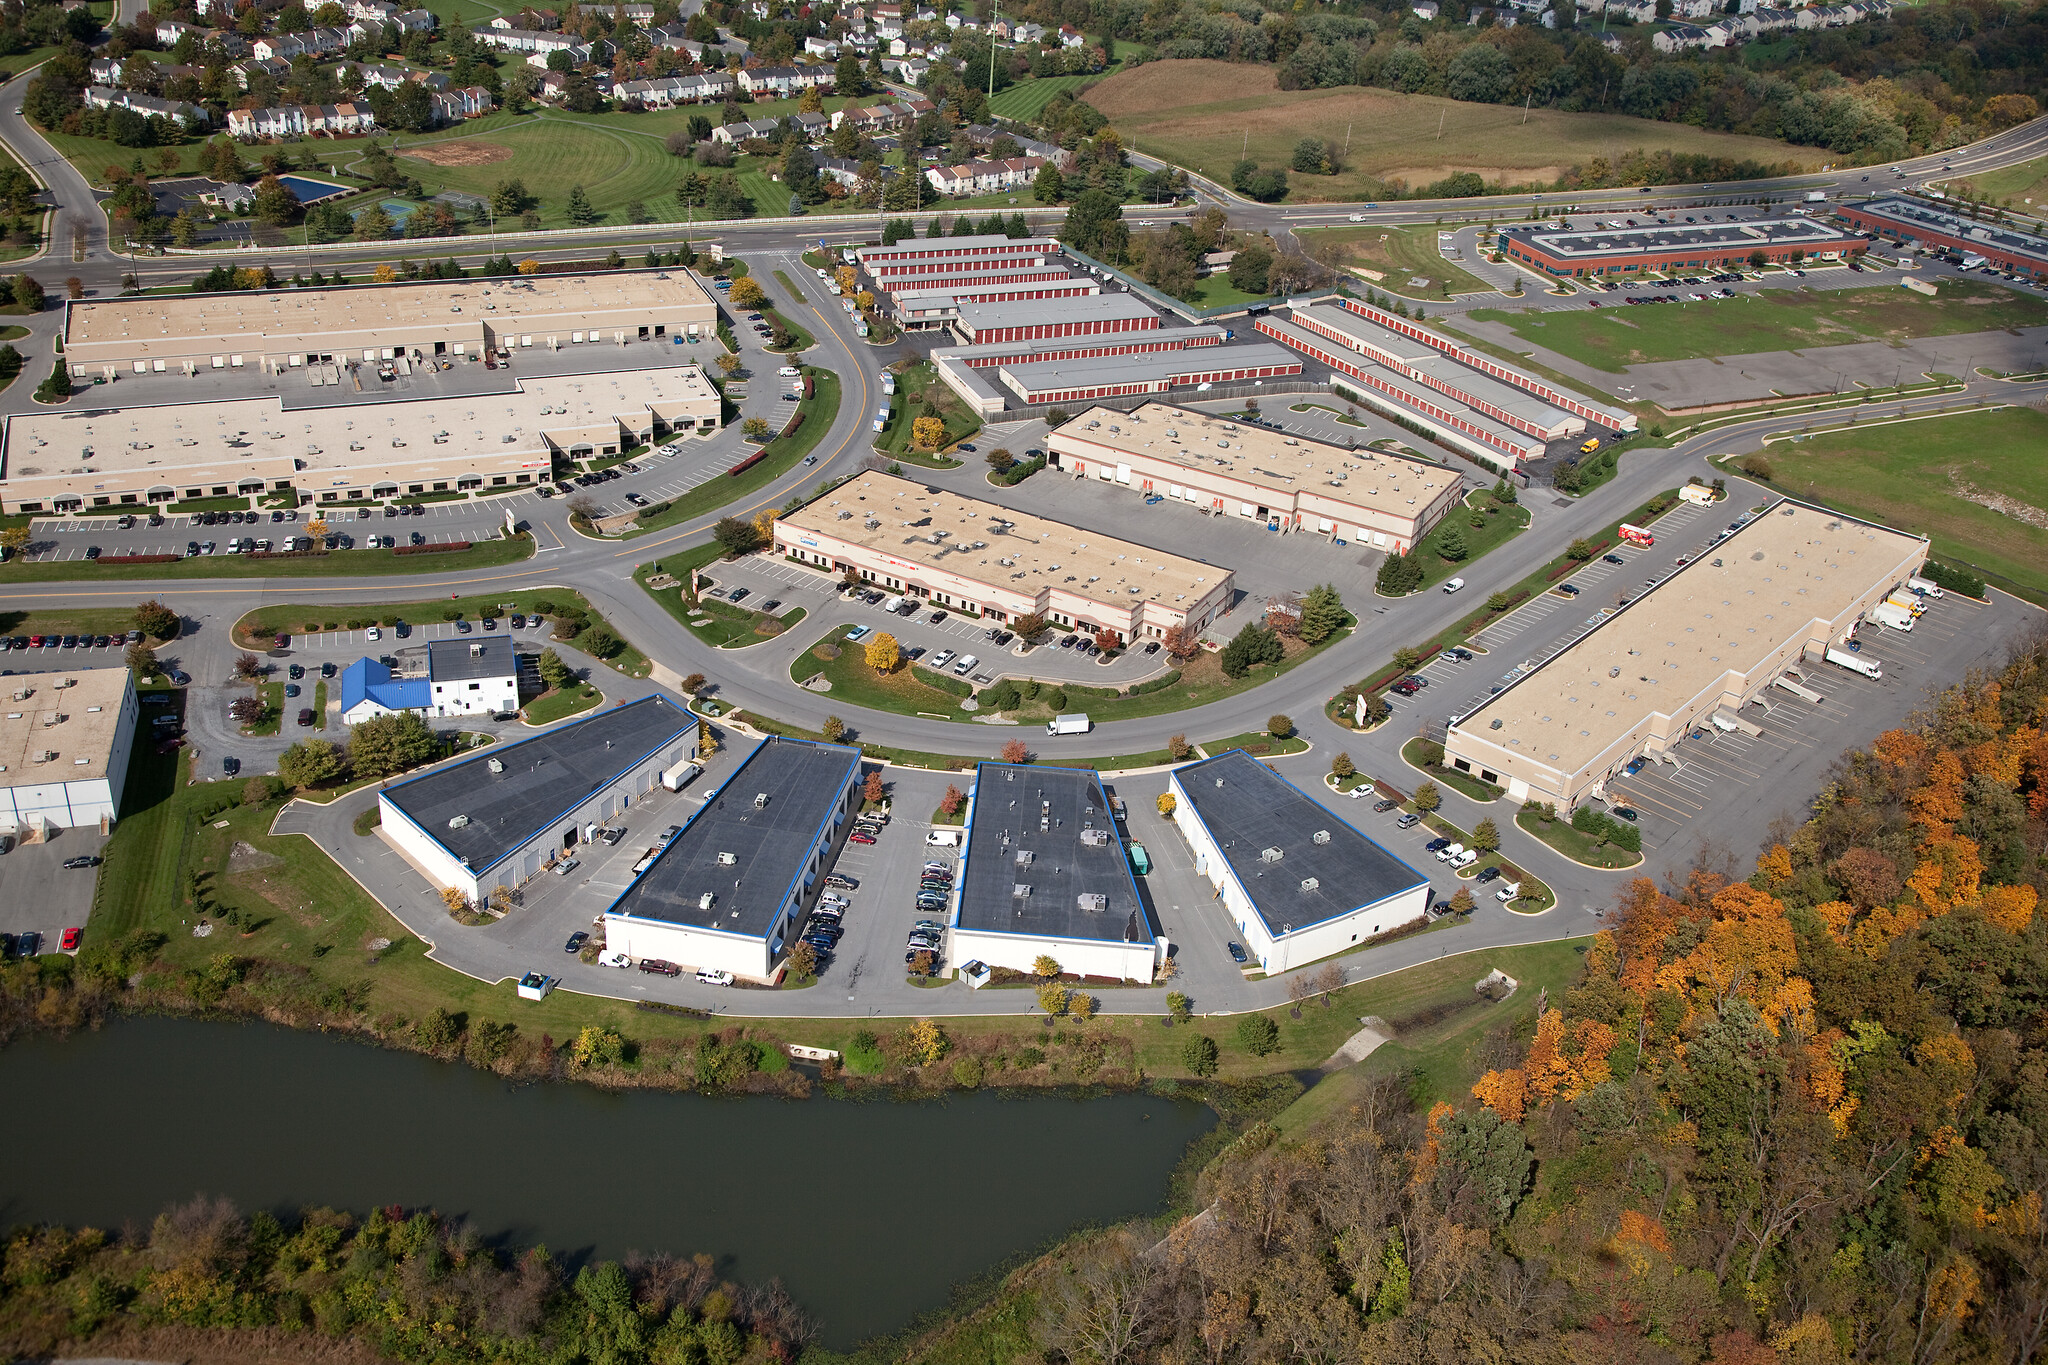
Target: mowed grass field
x: 1921, y: 476
x: 1399, y: 254
x: 1198, y: 114
x: 1024, y: 100
x: 1775, y: 320
x: 549, y: 155
x: 2024, y: 185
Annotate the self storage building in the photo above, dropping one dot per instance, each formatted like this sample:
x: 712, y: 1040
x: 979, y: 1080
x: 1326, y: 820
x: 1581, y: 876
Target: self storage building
x: 730, y: 892
x: 1298, y: 882
x: 1045, y: 874
x: 498, y: 817
x: 1701, y: 644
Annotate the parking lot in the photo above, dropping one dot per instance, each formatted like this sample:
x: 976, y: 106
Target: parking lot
x: 57, y: 539
x: 45, y: 897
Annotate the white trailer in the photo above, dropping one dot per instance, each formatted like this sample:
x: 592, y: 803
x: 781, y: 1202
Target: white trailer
x: 1907, y: 602
x: 1869, y: 668
x: 1895, y: 618
x: 678, y: 777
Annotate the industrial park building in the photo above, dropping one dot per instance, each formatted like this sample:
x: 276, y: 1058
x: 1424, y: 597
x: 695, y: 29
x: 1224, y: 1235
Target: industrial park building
x: 65, y: 740
x: 64, y: 460
x: 1368, y: 497
x: 1045, y: 873
x: 1299, y: 882
x: 973, y: 372
x: 496, y: 819
x: 1082, y: 381
x: 1690, y: 651
x: 1615, y: 248
x: 980, y: 557
x: 1909, y: 222
x: 889, y: 266
x: 285, y: 328
x: 731, y: 890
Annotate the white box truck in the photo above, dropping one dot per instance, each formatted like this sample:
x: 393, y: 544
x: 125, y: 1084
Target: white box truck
x: 678, y: 777
x: 1816, y: 197
x: 1906, y: 602
x: 1926, y: 587
x: 1895, y: 618
x: 1869, y: 668
x: 1068, y: 725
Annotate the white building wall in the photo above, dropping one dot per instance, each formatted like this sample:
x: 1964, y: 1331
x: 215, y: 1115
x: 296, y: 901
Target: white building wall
x: 1088, y: 957
x: 525, y: 862
x: 476, y: 696
x: 74, y: 805
x: 687, y: 947
x: 1286, y: 952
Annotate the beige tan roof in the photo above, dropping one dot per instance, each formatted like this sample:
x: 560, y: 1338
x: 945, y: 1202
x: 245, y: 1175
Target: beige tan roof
x: 242, y: 318
x: 1725, y: 612
x: 63, y: 729
x: 1215, y: 445
x: 1000, y: 546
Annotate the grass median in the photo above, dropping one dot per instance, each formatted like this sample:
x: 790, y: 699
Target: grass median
x: 335, y: 564
x: 1580, y: 847
x: 561, y: 703
x: 723, y: 626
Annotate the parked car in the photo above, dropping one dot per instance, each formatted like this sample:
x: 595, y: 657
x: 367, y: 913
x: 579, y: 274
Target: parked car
x: 659, y: 967
x: 567, y: 865
x: 1236, y: 953
x: 1628, y: 813
x: 230, y: 765
x: 1612, y: 559
x: 81, y: 861
x: 576, y: 942
x: 714, y: 978
x: 305, y: 715
x: 69, y: 942
x: 1408, y: 820
x: 1384, y: 805
x: 860, y: 837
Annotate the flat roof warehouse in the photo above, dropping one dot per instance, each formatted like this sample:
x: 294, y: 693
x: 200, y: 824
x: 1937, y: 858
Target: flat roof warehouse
x: 743, y: 852
x: 488, y: 807
x: 1044, y: 859
x: 1723, y: 613
x: 277, y: 322
x: 1299, y: 864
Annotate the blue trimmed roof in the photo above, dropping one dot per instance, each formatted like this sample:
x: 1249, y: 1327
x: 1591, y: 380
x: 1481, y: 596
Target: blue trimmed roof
x: 368, y: 680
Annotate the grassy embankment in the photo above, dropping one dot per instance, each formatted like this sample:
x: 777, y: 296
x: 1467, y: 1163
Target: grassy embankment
x: 1398, y: 255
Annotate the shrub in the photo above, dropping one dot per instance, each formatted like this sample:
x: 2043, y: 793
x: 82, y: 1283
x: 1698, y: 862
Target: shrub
x: 1279, y: 727
x: 1198, y: 1055
x: 1260, y: 1035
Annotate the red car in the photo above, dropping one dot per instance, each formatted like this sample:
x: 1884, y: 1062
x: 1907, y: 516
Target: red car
x: 70, y: 940
x: 859, y: 838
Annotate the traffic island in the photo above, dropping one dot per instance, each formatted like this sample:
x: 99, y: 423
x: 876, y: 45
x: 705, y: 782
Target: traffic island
x: 1585, y: 849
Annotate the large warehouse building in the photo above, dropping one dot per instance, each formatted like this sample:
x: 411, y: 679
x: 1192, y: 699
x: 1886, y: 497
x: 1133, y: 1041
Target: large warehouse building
x: 974, y: 556
x: 66, y: 460
x: 1299, y: 883
x: 154, y: 333
x: 976, y: 373
x: 1909, y: 222
x: 1613, y: 248
x: 982, y: 324
x: 730, y: 891
x: 1045, y: 873
x: 497, y: 818
x: 1084, y: 381
x: 1700, y: 644
x: 65, y: 739
x: 1367, y: 497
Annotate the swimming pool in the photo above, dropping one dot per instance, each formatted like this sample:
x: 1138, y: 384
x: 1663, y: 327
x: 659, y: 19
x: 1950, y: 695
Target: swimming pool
x: 310, y: 191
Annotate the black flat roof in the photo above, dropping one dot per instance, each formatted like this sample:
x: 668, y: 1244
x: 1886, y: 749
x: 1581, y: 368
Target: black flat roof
x: 537, y: 781
x: 769, y: 844
x: 458, y: 660
x: 1046, y: 812
x: 1256, y: 809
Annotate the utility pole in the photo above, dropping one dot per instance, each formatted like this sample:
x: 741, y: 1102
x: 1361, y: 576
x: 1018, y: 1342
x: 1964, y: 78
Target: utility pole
x: 992, y: 50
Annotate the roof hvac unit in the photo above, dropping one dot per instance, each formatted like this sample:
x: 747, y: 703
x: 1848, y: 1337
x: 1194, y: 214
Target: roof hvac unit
x: 476, y: 651
x: 760, y: 800
x: 496, y: 765
x: 704, y: 901
x: 1269, y: 855
x: 458, y: 822
x: 727, y: 860
x: 1309, y: 883
x: 47, y: 756
x: 1095, y: 838
x: 1093, y: 901
x: 1322, y: 836
x: 1020, y: 890
x: 1024, y: 856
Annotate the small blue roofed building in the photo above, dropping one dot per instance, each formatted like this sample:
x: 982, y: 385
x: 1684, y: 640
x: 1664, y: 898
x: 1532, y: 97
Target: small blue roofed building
x: 369, y: 690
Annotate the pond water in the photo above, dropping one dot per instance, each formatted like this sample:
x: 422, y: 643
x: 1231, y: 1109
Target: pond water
x: 867, y: 1211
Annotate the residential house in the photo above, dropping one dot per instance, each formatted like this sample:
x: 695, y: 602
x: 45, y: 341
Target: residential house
x: 911, y: 70
x: 983, y: 135
x: 838, y: 168
x: 1071, y: 36
x: 824, y: 49
x: 640, y: 15
x: 1694, y: 9
x: 525, y: 39
x: 453, y: 106
x: 314, y: 42
x: 301, y: 120
x: 781, y: 82
x: 105, y: 97
x: 1425, y: 10
x: 277, y: 68
x: 667, y: 92
x: 230, y: 196
x: 985, y: 177
x: 1680, y: 38
x: 736, y: 133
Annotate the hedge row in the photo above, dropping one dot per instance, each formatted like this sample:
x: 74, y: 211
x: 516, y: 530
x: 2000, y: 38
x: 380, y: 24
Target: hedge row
x: 442, y: 547
x: 796, y: 419
x: 286, y: 554
x: 744, y: 465
x: 139, y: 559
x: 1160, y: 683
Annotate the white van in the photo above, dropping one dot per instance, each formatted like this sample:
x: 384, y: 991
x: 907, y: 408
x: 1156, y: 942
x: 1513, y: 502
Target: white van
x: 943, y: 838
x: 1508, y: 892
x: 714, y: 978
x: 966, y: 665
x: 1454, y: 585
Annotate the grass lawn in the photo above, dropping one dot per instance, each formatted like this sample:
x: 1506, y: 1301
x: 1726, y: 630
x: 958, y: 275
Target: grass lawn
x: 1204, y: 114
x: 1257, y: 743
x: 2024, y: 186
x: 1927, y: 477
x: 320, y: 706
x: 562, y: 703
x: 782, y: 455
x: 1439, y: 1023
x: 1501, y: 526
x: 1462, y: 783
x: 483, y: 555
x: 803, y: 340
x: 1218, y: 292
x: 1580, y: 848
x: 272, y: 694
x: 1612, y: 339
x: 909, y: 690
x: 1024, y: 100
x: 69, y: 621
x: 922, y: 382
x: 1399, y: 254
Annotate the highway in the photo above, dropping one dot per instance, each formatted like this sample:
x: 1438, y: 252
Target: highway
x: 759, y: 677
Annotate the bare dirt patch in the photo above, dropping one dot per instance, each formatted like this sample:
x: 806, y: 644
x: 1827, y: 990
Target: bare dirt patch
x: 246, y: 857
x: 464, y: 153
